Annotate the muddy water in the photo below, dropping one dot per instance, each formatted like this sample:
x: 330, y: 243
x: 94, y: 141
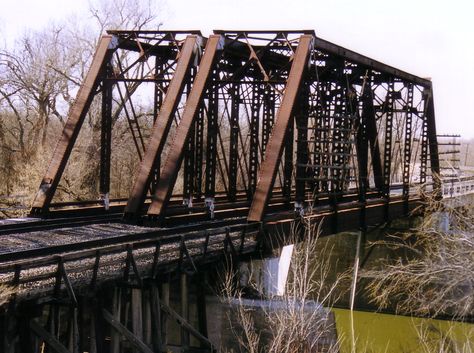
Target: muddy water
x: 377, y: 332
x: 366, y: 330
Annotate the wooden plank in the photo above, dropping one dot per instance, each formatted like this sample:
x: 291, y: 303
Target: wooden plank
x: 73, y: 345
x: 93, y: 333
x: 134, y: 340
x: 137, y: 313
x: 51, y: 341
x: 184, y: 309
x: 116, y: 311
x: 187, y: 326
x: 73, y: 126
x: 269, y: 167
x: 201, y: 304
x: 156, y: 318
x: 146, y: 303
x: 165, y: 292
x: 191, y: 110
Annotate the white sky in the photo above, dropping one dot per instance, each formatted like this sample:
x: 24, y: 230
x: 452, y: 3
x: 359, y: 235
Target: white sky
x: 427, y: 38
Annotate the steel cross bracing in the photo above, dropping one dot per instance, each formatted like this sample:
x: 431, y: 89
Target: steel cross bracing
x: 246, y: 118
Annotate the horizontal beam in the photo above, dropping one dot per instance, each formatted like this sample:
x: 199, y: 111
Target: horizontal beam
x: 259, y: 31
x: 357, y: 58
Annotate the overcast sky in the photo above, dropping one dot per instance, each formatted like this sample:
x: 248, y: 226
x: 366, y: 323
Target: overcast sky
x: 427, y: 38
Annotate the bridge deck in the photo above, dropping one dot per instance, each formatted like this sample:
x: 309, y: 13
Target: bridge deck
x: 38, y: 256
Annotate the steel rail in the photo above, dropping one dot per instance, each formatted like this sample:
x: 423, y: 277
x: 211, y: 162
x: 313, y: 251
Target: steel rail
x: 196, y: 222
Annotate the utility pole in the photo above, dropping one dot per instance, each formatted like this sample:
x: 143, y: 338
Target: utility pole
x: 465, y: 158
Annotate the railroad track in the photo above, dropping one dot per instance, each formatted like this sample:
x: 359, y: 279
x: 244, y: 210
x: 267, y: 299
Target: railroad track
x: 107, y: 229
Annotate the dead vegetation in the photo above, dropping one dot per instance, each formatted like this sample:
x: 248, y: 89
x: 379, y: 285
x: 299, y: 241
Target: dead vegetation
x: 437, y: 278
x: 296, y: 322
x: 40, y: 75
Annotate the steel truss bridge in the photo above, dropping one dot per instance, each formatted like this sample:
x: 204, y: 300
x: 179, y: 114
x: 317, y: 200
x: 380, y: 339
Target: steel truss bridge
x: 234, y: 136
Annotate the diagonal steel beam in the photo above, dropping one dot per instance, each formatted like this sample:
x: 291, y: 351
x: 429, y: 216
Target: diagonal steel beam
x: 173, y: 161
x: 269, y: 167
x: 76, y: 116
x: 368, y: 114
x: 161, y: 128
x: 433, y: 142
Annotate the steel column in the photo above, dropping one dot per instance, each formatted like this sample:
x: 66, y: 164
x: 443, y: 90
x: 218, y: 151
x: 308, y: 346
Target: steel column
x: 387, y: 153
x: 363, y: 145
x: 407, y: 145
x: 301, y: 120
x: 254, y: 140
x: 198, y: 150
x: 106, y: 136
x: 288, y: 160
x: 433, y: 144
x: 211, y: 143
x: 368, y: 112
x: 268, y: 115
x: 234, y: 141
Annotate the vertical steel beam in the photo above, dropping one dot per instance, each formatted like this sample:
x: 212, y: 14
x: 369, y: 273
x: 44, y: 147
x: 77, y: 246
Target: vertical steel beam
x: 161, y: 127
x: 387, y: 153
x: 73, y: 125
x: 302, y: 145
x: 269, y: 167
x: 106, y: 135
x: 288, y: 160
x: 362, y: 146
x: 191, y: 110
x: 211, y: 143
x: 188, y: 175
x: 362, y: 151
x: 338, y: 139
x: 407, y: 144
x: 254, y: 140
x: 157, y: 102
x: 368, y: 112
x: 424, y: 139
x: 322, y: 135
x: 234, y: 141
x: 199, y: 149
x: 268, y: 115
x: 433, y: 143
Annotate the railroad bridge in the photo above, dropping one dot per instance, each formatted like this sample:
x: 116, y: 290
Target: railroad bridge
x: 242, y: 134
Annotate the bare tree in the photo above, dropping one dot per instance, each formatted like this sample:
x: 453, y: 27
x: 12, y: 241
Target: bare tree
x: 125, y: 14
x: 437, y: 278
x: 297, y: 321
x: 39, y: 78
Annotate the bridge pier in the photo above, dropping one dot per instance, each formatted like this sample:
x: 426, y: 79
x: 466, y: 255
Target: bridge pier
x: 275, y: 272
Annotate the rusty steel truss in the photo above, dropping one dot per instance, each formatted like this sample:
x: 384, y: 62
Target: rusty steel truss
x: 250, y: 116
